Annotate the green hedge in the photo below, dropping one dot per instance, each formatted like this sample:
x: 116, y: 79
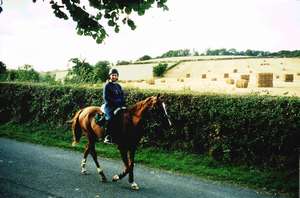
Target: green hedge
x: 254, y: 130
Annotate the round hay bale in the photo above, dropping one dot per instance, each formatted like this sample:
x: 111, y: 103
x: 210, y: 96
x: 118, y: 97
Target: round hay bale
x: 226, y: 75
x: 277, y: 76
x: 264, y: 80
x: 229, y: 81
x: 288, y: 77
x: 235, y: 71
x: 298, y: 74
x: 181, y: 80
x: 245, y: 77
x: 203, y: 76
x: 214, y: 79
x: 163, y: 80
x: 241, y: 83
x: 188, y: 75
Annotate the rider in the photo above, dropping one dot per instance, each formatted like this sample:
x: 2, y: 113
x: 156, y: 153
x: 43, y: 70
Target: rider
x: 113, y: 96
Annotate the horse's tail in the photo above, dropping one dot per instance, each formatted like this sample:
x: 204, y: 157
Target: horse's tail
x: 76, y: 129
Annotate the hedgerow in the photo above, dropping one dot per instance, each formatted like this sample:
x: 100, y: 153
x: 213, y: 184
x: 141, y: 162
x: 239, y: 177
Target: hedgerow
x: 253, y: 130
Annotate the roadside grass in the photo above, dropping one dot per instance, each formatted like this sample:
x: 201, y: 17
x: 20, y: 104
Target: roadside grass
x: 201, y: 166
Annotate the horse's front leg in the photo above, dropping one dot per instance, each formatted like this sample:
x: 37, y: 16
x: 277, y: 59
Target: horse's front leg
x: 94, y: 155
x: 131, y: 154
x: 124, y: 156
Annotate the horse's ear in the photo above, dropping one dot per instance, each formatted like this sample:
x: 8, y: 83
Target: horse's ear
x: 160, y: 97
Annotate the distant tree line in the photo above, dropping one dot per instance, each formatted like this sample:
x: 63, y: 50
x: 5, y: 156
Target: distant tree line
x: 249, y: 52
x: 81, y: 72
x: 224, y: 52
x: 25, y: 73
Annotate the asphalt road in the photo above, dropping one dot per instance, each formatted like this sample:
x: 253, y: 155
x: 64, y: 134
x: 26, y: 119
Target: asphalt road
x: 28, y: 170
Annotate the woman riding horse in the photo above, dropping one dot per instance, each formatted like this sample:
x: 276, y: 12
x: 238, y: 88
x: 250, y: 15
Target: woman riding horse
x: 113, y: 96
x: 127, y: 122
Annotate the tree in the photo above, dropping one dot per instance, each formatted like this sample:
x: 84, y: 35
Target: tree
x: 145, y: 57
x: 160, y: 69
x: 81, y: 72
x: 90, y: 18
x: 101, y: 71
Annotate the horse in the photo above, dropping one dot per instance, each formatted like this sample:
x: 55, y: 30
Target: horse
x: 126, y: 128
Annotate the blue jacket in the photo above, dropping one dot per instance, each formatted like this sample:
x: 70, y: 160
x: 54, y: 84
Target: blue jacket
x: 113, y: 96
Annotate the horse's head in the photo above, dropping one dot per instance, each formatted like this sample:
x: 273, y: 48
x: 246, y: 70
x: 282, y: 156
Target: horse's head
x: 157, y: 103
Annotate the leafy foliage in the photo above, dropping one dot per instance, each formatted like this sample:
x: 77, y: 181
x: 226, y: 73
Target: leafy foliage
x: 90, y: 18
x: 160, y: 69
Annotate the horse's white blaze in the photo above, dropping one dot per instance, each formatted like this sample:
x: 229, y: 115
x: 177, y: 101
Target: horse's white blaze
x: 134, y: 186
x: 165, y: 110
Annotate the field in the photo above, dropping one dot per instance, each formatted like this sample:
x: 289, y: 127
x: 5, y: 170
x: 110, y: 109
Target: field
x: 188, y: 74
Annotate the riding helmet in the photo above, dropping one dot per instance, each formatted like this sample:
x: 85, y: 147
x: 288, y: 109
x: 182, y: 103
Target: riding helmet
x: 113, y: 71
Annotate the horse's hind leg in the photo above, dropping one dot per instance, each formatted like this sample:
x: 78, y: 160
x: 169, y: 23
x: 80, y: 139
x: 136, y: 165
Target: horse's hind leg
x: 83, y: 161
x: 94, y: 155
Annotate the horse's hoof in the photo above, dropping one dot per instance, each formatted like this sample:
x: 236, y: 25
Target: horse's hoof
x: 84, y: 172
x: 115, y: 178
x: 134, y: 186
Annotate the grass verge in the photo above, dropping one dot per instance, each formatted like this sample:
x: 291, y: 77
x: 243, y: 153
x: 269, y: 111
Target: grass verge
x: 183, y: 163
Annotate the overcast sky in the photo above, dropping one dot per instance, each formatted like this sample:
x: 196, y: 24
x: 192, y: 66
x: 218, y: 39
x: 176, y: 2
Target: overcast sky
x: 31, y: 34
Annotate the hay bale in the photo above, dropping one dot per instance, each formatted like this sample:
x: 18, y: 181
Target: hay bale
x: 163, y: 80
x: 181, y: 80
x: 226, y: 75
x: 264, y: 80
x: 229, y: 81
x: 298, y: 74
x: 245, y: 77
x: 277, y: 76
x: 250, y: 71
x: 235, y: 71
x: 203, y: 76
x: 288, y: 77
x: 214, y: 79
x: 188, y: 75
x: 241, y: 83
x: 150, y: 82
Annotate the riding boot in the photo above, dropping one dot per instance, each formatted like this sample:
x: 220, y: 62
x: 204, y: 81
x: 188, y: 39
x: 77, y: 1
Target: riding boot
x: 108, y: 137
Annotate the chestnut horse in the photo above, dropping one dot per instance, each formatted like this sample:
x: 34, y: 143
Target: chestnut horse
x: 125, y: 132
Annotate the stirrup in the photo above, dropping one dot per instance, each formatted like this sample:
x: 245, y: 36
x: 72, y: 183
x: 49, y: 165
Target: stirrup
x: 108, y: 140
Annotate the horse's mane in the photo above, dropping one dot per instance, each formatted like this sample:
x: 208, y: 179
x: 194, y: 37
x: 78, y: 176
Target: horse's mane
x: 136, y: 106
